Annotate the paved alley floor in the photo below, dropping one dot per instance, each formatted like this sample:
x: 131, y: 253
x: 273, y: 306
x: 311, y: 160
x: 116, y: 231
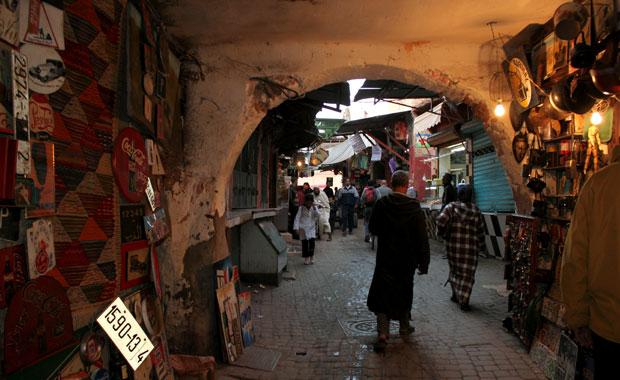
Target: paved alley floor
x: 323, y: 329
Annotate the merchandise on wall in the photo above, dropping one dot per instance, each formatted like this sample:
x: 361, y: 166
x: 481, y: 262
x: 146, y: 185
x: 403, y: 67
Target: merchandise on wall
x: 564, y: 131
x: 60, y: 151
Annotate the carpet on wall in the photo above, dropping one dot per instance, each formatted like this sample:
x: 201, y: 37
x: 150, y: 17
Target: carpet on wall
x: 88, y: 259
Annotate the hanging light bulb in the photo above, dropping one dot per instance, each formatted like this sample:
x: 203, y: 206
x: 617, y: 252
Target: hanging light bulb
x: 299, y: 164
x: 499, y: 109
x: 596, y: 118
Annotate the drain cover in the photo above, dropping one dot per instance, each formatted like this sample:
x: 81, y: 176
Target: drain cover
x: 364, y: 327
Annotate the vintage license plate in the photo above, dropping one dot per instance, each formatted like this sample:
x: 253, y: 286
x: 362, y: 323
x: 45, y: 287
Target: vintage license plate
x: 126, y: 333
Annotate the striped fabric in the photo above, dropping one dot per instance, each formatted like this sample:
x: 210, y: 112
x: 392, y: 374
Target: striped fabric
x: 494, y: 229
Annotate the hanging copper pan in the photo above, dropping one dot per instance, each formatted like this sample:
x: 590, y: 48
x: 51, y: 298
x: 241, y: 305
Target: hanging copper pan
x: 606, y: 73
x: 517, y: 115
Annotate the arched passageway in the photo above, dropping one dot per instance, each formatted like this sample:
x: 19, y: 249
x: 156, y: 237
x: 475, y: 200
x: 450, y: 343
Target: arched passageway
x: 221, y: 116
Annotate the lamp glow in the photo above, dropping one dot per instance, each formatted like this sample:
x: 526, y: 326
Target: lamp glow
x: 596, y: 118
x: 299, y: 164
x: 500, y: 110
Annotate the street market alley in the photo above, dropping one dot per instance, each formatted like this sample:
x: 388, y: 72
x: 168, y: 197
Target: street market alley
x: 318, y: 320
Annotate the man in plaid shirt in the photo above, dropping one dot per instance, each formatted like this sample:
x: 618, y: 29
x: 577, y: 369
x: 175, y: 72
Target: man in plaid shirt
x: 462, y: 226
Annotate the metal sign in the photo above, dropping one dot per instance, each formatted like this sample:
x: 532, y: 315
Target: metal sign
x: 126, y: 333
x: 21, y: 108
x: 130, y: 164
x: 38, y: 323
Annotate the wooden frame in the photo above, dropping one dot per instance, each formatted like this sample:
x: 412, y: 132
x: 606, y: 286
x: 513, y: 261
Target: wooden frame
x: 136, y: 273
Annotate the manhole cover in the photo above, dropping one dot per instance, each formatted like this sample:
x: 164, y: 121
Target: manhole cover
x: 364, y: 327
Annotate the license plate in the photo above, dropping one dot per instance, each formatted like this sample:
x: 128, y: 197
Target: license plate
x: 126, y: 333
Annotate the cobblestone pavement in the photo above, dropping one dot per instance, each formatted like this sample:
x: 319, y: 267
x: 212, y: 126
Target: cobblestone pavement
x: 305, y: 320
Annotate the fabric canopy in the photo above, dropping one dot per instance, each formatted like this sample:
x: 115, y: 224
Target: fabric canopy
x: 427, y: 119
x: 343, y: 151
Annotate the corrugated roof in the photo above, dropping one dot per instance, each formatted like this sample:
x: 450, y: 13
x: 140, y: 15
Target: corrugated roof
x: 374, y: 123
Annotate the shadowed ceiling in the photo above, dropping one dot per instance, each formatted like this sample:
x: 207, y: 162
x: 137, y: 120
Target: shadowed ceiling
x: 400, y: 21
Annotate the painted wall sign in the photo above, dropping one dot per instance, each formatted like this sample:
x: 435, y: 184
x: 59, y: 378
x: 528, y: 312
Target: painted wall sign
x: 23, y: 157
x: 41, y: 117
x: 9, y: 223
x: 38, y: 322
x: 20, y: 86
x: 132, y: 224
x: 46, y: 73
x: 44, y: 24
x: 8, y: 285
x: 126, y: 333
x: 40, y: 245
x: 42, y: 173
x: 8, y: 21
x: 130, y: 164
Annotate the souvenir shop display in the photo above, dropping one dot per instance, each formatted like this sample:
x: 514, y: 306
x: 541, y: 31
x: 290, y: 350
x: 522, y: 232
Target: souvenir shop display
x: 61, y: 216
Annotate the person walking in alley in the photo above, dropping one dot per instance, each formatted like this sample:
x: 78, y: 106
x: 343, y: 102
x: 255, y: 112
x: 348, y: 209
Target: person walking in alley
x: 328, y: 190
x: 449, y: 191
x: 322, y: 201
x: 384, y: 190
x: 462, y: 226
x: 305, y: 226
x: 411, y: 191
x: 590, y: 270
x: 369, y: 197
x: 399, y: 223
x: 349, y: 198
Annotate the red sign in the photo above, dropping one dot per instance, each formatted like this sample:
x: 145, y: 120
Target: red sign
x: 41, y: 117
x: 38, y: 323
x: 131, y: 168
x: 400, y: 130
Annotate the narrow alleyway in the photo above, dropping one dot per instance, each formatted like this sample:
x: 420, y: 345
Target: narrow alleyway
x: 322, y: 327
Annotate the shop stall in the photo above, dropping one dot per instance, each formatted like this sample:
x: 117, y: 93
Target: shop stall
x: 563, y: 114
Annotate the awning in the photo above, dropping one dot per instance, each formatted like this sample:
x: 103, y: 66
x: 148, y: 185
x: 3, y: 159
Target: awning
x: 444, y: 137
x: 335, y: 93
x: 428, y: 119
x: 389, y: 89
x: 343, y: 151
x: 374, y: 123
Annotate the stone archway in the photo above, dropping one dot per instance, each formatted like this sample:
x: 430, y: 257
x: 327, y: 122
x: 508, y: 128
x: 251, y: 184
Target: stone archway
x: 223, y: 112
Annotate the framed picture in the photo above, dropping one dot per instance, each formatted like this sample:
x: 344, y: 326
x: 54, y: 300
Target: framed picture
x: 560, y: 53
x: 42, y: 173
x: 230, y: 322
x: 548, y: 45
x: 134, y: 264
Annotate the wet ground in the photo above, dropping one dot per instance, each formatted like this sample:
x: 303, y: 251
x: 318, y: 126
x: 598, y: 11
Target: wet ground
x: 323, y: 329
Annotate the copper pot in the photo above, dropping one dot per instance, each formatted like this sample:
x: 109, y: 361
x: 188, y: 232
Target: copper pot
x: 569, y: 19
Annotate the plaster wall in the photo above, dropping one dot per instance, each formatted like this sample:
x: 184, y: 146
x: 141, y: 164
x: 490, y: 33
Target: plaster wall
x: 224, y: 109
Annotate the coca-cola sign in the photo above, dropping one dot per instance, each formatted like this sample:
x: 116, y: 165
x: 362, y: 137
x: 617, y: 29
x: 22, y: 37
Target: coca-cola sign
x: 130, y: 164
